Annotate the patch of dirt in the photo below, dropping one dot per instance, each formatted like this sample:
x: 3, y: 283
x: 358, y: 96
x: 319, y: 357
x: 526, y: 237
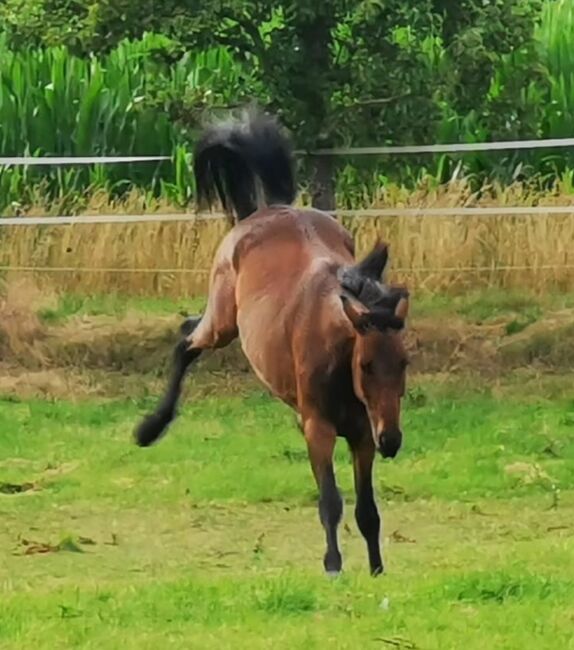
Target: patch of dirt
x: 68, y: 544
x: 439, y: 346
x: 16, y: 488
x: 34, y: 353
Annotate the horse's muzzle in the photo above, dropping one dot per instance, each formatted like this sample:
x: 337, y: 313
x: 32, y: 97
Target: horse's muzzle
x: 390, y: 443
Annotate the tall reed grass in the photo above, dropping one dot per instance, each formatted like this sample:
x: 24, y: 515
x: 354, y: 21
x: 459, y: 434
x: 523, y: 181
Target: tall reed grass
x: 53, y: 103
x: 556, y: 37
x: 430, y: 253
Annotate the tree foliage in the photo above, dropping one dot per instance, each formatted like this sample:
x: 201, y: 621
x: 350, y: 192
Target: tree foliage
x: 337, y: 71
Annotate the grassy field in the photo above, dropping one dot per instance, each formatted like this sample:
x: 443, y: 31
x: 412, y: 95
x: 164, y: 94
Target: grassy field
x: 211, y: 539
x: 474, y: 306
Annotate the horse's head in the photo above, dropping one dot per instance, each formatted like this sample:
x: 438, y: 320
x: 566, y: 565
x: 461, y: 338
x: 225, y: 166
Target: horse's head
x: 379, y: 364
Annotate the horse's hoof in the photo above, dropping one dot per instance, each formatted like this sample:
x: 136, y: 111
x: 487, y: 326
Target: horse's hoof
x: 333, y: 575
x: 150, y: 430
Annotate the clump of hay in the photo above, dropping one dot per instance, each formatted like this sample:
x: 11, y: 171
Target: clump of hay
x: 548, y: 343
x: 21, y: 329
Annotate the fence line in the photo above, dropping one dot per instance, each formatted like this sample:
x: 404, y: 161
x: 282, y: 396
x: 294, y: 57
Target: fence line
x: 25, y: 161
x: 415, y: 269
x: 549, y: 143
x: 97, y: 269
x: 454, y: 212
x: 105, y: 218
x: 371, y: 212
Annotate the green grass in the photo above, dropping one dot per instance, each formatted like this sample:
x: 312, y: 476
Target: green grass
x: 211, y: 539
x: 481, y: 306
x: 117, y: 305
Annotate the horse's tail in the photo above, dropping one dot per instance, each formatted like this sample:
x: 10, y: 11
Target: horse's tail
x: 234, y: 160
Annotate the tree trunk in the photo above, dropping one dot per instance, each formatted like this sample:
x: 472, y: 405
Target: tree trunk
x: 315, y: 35
x: 323, y: 183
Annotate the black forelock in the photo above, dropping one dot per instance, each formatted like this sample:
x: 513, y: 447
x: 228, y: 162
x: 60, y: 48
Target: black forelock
x: 369, y: 292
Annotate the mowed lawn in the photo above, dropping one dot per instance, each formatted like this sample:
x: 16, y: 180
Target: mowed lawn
x: 211, y: 539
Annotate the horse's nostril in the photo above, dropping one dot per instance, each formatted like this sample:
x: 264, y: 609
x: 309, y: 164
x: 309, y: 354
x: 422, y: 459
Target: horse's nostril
x: 390, y: 443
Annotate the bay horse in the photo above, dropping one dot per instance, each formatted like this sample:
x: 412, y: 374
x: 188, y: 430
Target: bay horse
x: 321, y: 331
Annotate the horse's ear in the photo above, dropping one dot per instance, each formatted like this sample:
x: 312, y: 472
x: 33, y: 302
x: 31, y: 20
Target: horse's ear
x: 384, y: 319
x: 374, y: 264
x: 402, y: 309
x: 357, y: 313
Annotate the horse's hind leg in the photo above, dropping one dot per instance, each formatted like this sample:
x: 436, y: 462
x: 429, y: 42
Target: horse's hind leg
x: 153, y: 425
x: 366, y: 512
x: 189, y: 325
x: 321, y: 438
x: 215, y: 329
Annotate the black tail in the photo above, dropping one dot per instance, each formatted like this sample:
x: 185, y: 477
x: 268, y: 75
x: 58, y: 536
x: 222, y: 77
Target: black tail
x: 233, y: 159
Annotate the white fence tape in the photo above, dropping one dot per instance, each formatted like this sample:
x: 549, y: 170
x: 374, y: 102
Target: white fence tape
x: 97, y: 269
x: 507, y: 211
x: 33, y: 161
x: 549, y: 143
x: 103, y: 218
x: 374, y: 212
x: 416, y: 269
x: 509, y: 145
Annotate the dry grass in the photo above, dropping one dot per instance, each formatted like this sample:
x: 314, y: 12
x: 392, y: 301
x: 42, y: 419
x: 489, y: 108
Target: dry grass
x: 131, y: 250
x: 21, y: 331
x: 483, y: 339
x: 457, y: 253
x: 432, y: 253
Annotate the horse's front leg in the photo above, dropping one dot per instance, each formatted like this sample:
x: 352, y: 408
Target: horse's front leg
x: 366, y: 512
x: 217, y: 328
x: 321, y: 438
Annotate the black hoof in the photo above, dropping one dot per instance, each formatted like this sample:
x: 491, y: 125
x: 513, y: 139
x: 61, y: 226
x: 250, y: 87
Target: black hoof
x: 150, y: 430
x: 332, y: 563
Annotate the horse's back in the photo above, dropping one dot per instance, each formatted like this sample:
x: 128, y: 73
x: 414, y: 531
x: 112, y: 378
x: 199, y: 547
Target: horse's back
x: 281, y: 241
x: 279, y: 252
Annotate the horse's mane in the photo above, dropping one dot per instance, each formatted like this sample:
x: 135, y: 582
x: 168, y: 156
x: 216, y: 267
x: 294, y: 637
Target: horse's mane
x: 239, y: 160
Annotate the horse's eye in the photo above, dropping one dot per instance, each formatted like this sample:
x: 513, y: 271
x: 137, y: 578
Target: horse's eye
x: 367, y: 368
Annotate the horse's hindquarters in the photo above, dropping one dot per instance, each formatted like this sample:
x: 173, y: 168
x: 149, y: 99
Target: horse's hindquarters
x: 267, y: 347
